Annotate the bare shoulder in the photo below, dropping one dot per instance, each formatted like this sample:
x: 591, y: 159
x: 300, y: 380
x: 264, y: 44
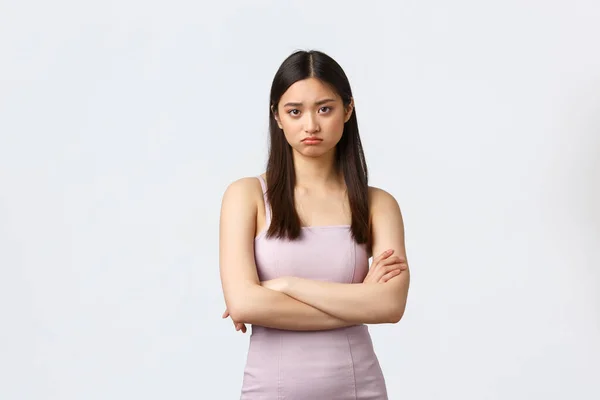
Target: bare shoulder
x: 245, y: 188
x: 382, y: 202
x: 242, y: 194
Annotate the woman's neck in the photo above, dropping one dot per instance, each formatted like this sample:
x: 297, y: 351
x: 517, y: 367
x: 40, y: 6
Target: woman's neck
x: 316, y: 171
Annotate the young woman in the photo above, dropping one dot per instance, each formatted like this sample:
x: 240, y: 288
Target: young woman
x: 295, y: 244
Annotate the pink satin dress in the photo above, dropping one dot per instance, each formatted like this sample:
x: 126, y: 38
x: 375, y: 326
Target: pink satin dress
x: 336, y: 364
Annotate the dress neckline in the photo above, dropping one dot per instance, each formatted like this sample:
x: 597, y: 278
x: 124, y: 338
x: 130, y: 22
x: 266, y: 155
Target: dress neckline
x: 340, y: 226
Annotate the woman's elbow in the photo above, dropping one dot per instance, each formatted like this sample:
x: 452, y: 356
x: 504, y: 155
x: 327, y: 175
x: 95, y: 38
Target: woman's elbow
x: 238, y: 313
x: 395, y: 313
x: 397, y: 296
x: 241, y: 307
x: 383, y: 315
x: 394, y: 317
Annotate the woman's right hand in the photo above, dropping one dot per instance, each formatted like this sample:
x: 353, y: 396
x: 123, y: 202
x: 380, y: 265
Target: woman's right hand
x: 384, y: 267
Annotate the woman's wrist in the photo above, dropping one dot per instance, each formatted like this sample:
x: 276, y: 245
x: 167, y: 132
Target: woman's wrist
x: 288, y: 284
x: 281, y: 284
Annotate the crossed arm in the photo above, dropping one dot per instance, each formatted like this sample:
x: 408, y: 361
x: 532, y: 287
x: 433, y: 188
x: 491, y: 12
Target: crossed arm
x: 304, y: 304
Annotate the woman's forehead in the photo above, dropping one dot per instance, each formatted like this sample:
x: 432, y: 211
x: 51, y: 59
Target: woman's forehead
x: 308, y: 92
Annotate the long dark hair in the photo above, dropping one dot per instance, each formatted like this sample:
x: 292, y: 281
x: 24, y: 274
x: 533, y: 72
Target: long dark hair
x: 349, y: 156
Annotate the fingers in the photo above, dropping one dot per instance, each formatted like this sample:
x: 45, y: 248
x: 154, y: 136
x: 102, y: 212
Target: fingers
x: 389, y: 268
x: 383, y: 256
x: 394, y: 260
x: 373, y: 275
x: 385, y: 259
x: 389, y: 275
x: 383, y: 265
x: 384, y: 270
x: 240, y: 327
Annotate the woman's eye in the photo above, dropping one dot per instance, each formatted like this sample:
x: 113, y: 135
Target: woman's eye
x: 295, y: 112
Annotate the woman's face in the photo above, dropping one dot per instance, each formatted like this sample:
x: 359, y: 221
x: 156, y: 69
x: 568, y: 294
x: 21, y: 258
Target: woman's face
x: 312, y: 117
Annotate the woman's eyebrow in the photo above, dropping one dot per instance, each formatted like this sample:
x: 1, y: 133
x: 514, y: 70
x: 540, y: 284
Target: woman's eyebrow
x: 317, y: 103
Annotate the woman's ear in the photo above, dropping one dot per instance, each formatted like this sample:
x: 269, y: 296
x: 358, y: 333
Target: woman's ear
x: 276, y: 116
x: 349, y: 110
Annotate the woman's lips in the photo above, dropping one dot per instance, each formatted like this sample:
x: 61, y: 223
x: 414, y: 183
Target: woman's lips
x: 312, y: 140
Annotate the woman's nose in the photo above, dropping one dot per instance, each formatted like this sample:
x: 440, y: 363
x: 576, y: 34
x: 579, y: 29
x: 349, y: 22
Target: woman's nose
x: 311, y: 124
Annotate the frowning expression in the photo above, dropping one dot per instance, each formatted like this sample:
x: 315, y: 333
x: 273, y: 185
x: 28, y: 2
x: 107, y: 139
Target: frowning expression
x: 312, y: 116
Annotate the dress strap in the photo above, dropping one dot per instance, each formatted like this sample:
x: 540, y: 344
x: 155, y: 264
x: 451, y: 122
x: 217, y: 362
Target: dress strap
x: 263, y: 184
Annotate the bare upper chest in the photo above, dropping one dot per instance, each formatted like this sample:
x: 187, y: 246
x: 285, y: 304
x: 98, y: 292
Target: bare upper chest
x: 316, y: 208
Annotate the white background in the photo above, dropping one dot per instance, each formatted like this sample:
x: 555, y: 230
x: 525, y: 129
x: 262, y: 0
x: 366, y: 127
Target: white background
x: 122, y: 122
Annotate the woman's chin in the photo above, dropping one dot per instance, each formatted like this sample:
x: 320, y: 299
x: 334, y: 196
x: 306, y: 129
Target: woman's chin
x: 314, y: 152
